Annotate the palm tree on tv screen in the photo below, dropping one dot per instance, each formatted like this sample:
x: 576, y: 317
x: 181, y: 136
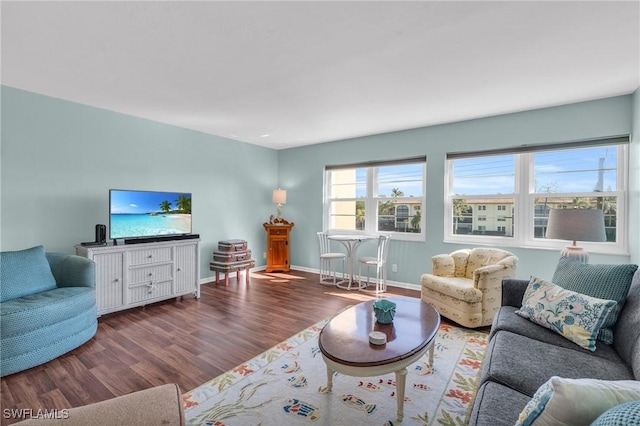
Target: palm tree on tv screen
x: 165, y: 206
x: 184, y: 204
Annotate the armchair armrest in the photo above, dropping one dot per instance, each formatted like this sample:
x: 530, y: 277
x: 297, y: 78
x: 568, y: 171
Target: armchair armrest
x: 513, y: 291
x: 161, y: 405
x: 71, y: 270
x: 490, y: 269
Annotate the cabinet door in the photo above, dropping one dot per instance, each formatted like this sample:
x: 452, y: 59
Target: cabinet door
x: 109, y: 281
x: 278, y: 252
x: 186, y: 269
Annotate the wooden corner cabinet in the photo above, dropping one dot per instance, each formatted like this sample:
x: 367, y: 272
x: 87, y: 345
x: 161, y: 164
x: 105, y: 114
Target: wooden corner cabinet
x: 139, y: 274
x: 278, y: 245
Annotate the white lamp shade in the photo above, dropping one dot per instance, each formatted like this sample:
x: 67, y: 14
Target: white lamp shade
x: 576, y: 225
x: 279, y: 196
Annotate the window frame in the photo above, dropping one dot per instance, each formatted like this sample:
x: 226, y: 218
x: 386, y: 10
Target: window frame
x: 371, y: 201
x: 524, y: 203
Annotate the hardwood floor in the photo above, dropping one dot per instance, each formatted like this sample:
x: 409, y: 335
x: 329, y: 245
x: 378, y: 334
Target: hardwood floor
x: 185, y: 341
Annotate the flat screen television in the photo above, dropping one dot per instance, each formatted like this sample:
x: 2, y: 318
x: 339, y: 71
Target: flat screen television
x: 148, y: 214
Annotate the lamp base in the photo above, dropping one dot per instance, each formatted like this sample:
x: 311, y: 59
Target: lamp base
x: 575, y: 253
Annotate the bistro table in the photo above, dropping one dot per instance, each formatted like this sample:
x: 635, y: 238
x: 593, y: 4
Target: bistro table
x: 351, y: 243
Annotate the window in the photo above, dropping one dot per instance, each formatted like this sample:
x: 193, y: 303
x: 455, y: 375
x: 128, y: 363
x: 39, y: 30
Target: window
x: 515, y: 189
x: 374, y: 198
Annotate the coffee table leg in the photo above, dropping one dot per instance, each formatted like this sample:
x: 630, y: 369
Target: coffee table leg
x: 401, y: 381
x: 431, y: 355
x: 329, y: 379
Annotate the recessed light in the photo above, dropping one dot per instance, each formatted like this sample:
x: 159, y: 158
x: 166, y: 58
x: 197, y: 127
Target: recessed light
x: 266, y: 135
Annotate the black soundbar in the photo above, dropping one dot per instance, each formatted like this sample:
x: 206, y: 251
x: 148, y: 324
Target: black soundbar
x: 160, y: 239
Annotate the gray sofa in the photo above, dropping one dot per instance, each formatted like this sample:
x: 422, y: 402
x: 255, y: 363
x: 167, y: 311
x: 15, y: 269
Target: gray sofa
x: 514, y: 369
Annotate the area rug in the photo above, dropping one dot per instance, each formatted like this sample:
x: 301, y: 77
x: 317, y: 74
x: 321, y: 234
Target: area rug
x: 286, y: 385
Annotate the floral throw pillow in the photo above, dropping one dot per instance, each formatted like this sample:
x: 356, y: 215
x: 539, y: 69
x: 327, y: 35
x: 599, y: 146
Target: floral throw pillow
x: 575, y: 316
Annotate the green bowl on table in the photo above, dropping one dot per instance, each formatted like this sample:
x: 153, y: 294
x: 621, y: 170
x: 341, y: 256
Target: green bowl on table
x: 384, y: 311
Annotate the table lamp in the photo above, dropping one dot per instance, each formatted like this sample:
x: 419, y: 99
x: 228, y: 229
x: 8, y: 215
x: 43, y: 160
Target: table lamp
x: 279, y: 198
x: 576, y: 225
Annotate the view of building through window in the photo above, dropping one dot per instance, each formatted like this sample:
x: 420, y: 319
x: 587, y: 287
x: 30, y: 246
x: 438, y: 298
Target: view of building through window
x: 381, y: 198
x: 494, y: 195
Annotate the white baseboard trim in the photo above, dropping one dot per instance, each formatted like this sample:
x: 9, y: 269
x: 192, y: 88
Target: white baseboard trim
x: 398, y: 284
x: 390, y: 283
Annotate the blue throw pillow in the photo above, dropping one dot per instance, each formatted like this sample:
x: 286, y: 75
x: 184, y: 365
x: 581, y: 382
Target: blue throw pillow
x: 620, y: 415
x: 24, y: 272
x: 610, y: 282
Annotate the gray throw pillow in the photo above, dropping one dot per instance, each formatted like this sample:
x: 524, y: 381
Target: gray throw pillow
x: 610, y: 282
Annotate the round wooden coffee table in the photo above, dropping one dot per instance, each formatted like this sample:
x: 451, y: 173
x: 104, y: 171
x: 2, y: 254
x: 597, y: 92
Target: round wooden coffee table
x: 345, y: 347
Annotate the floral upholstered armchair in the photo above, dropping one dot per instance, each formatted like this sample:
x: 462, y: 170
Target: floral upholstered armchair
x: 466, y: 285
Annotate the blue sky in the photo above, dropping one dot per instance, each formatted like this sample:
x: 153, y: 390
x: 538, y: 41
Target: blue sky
x: 562, y: 171
x: 407, y: 178
x: 123, y: 201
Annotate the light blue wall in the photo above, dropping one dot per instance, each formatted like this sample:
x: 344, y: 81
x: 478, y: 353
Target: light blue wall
x: 59, y: 160
x: 301, y: 173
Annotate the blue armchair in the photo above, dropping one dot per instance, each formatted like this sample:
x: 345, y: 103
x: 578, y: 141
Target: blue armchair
x: 47, y: 306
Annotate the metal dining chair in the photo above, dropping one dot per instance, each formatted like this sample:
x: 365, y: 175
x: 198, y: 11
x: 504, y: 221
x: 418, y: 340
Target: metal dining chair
x: 327, y: 258
x: 379, y: 262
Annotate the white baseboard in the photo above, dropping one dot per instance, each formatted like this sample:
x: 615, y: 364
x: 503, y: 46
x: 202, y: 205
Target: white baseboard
x: 390, y: 283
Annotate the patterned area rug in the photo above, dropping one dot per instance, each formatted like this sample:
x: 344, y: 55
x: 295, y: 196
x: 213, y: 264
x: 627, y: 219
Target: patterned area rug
x: 286, y: 385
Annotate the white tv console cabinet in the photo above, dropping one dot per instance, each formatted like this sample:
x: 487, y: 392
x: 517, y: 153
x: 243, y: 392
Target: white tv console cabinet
x: 132, y: 275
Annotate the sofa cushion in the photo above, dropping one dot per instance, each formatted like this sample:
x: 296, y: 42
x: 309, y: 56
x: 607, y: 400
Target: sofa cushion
x: 507, y: 320
x: 497, y: 405
x: 458, y: 288
x: 24, y: 272
x: 626, y: 339
x: 621, y: 415
x: 575, y: 316
x: 23, y: 351
x: 566, y: 402
x: 525, y: 364
x: 35, y: 311
x: 610, y: 282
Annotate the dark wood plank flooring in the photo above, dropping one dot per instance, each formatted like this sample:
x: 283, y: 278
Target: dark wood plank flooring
x: 184, y: 341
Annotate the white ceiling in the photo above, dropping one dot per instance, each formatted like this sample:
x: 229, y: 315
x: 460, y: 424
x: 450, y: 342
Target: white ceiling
x: 311, y: 71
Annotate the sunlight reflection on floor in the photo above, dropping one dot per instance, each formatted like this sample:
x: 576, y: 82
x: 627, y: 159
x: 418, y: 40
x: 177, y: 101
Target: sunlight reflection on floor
x: 281, y: 276
x: 352, y: 295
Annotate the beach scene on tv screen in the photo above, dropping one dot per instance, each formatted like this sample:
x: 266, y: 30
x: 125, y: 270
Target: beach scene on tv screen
x: 142, y: 214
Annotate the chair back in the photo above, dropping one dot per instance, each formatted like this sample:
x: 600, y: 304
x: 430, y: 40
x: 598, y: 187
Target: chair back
x: 383, y: 248
x: 323, y: 243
